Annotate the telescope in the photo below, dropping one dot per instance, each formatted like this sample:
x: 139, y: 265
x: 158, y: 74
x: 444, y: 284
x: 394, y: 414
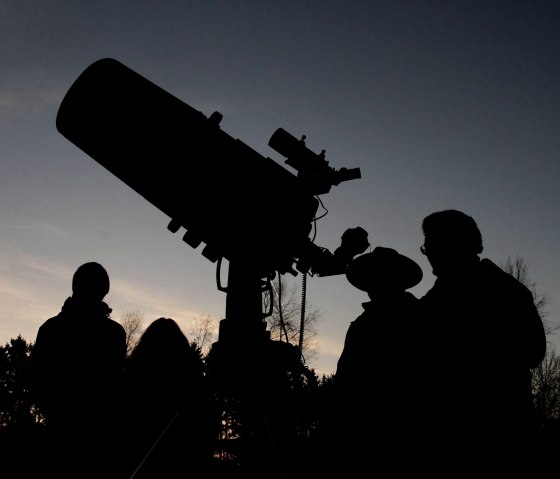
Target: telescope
x: 243, y: 206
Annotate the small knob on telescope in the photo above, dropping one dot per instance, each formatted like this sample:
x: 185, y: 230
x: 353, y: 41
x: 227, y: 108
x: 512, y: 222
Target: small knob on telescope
x: 192, y: 239
x: 215, y: 118
x: 174, y: 226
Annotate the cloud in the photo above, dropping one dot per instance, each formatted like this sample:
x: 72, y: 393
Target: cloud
x: 26, y: 95
x: 34, y: 228
x: 26, y: 294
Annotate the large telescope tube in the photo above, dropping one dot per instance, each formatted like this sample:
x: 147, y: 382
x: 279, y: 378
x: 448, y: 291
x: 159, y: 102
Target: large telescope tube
x: 243, y: 205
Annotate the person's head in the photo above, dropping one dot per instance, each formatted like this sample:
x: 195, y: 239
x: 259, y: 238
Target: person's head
x: 452, y: 241
x: 164, y: 333
x: 383, y: 272
x: 163, y: 342
x: 90, y: 282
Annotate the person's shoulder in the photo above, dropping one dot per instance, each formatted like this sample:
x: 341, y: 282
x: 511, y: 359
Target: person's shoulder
x: 491, y: 270
x: 115, y: 326
x: 489, y: 267
x: 431, y: 293
x: 369, y: 311
x: 499, y: 278
x: 366, y: 320
x: 52, y: 323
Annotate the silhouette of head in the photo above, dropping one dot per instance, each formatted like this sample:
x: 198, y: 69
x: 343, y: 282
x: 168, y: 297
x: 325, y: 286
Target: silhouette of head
x: 452, y: 241
x: 164, y: 343
x: 90, y: 282
x: 383, y: 271
x: 164, y: 332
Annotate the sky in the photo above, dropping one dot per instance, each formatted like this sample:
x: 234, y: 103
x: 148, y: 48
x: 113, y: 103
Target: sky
x: 440, y: 104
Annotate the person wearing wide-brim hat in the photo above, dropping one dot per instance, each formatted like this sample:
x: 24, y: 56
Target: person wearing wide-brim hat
x: 371, y: 382
x: 384, y: 270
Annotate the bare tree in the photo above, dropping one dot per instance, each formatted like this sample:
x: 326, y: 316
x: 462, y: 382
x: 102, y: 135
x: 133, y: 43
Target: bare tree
x: 203, y: 334
x: 132, y: 322
x: 519, y: 269
x: 289, y: 305
x: 546, y: 387
x: 545, y: 378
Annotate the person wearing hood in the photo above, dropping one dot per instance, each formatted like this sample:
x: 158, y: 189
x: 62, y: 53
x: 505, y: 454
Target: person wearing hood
x: 77, y: 368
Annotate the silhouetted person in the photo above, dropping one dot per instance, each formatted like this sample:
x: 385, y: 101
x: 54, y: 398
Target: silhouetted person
x: 483, y: 335
x: 374, y: 378
x: 77, y: 366
x: 169, y: 432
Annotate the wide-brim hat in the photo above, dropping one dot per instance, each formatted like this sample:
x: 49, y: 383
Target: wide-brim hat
x: 383, y: 268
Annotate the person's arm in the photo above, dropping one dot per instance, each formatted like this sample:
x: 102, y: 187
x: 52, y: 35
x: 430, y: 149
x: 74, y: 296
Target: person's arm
x: 346, y: 362
x: 535, y: 333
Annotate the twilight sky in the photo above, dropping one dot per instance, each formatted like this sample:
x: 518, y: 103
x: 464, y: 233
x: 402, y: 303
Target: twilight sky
x: 441, y: 104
